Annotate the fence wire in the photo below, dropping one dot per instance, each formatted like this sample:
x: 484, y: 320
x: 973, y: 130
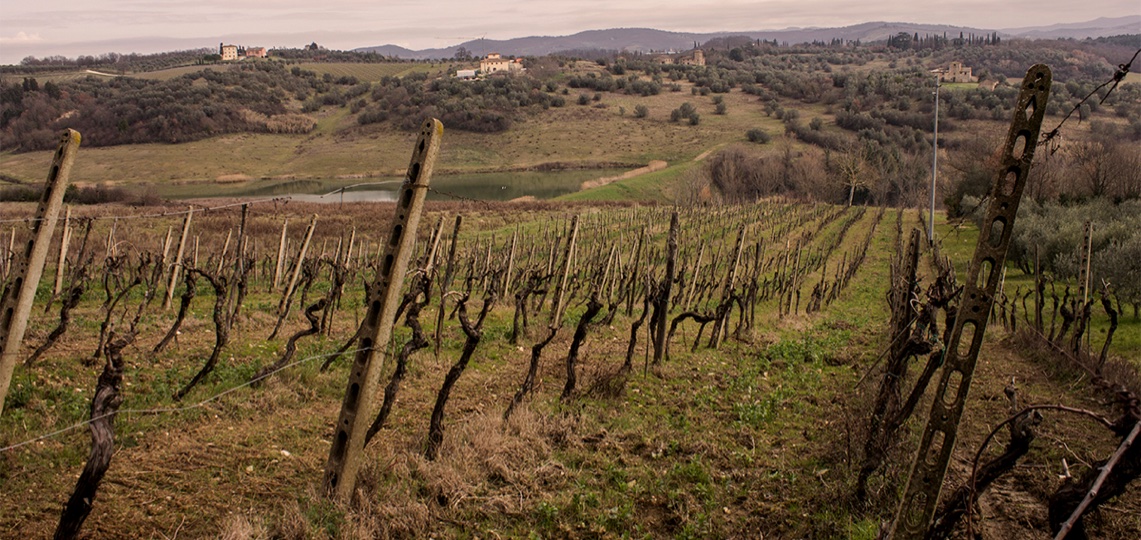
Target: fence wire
x: 1118, y: 76
x: 170, y: 410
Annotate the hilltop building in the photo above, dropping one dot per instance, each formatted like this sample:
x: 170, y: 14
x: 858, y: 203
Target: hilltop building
x: 957, y: 73
x: 494, y: 63
x: 694, y: 58
x: 231, y: 53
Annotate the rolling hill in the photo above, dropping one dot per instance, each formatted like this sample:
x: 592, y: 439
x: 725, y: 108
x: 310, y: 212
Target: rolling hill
x: 651, y: 40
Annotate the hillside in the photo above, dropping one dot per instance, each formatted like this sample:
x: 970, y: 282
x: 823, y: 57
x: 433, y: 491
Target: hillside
x: 650, y: 40
x: 271, y: 123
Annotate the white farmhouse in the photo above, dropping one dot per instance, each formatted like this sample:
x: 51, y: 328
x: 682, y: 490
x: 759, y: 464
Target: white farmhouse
x: 494, y: 63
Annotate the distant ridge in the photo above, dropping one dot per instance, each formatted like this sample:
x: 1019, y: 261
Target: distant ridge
x: 1101, y: 27
x: 648, y: 39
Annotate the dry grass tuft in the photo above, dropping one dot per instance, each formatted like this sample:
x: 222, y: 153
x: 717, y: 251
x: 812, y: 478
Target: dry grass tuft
x: 292, y: 525
x: 240, y: 527
x: 486, y: 469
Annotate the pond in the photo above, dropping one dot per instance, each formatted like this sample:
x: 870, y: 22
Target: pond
x: 495, y: 186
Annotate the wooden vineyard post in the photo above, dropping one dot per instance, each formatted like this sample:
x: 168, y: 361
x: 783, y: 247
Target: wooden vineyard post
x: 560, y: 293
x: 177, y: 265
x: 447, y: 282
x: 111, y: 249
x: 934, y: 454
x: 664, y: 294
x: 510, y: 264
x: 166, y: 243
x: 358, y: 406
x: 225, y: 248
x: 28, y: 265
x: 280, y: 256
x: 63, y: 243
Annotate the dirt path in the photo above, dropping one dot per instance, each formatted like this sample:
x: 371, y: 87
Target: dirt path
x: 653, y: 166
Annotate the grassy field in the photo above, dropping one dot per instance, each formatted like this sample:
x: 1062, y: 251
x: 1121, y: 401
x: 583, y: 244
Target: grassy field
x: 602, y: 132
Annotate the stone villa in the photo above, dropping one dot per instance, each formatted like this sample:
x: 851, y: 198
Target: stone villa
x: 957, y: 73
x: 232, y: 53
x: 494, y: 63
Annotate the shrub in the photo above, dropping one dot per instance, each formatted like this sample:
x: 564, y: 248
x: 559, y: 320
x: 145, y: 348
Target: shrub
x: 758, y: 136
x: 641, y: 111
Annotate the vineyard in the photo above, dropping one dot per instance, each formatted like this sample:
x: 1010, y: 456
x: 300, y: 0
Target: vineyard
x: 770, y: 368
x: 601, y: 397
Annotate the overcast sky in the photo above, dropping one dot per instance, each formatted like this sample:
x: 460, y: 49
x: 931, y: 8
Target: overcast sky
x: 38, y: 28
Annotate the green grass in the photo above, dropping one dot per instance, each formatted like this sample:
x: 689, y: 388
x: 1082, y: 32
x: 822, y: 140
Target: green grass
x: 657, y: 186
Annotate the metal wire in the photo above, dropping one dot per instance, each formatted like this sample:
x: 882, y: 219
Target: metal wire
x: 165, y: 410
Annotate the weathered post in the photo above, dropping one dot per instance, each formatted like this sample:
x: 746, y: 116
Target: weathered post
x: 63, y: 244
x: 357, y: 408
x: 225, y: 248
x: 510, y: 264
x: 177, y: 265
x: 934, y: 454
x: 449, y: 272
x: 9, y: 254
x: 287, y: 296
x: 280, y: 256
x: 17, y: 296
x: 165, y: 243
x: 664, y: 294
x: 557, y: 309
x: 111, y: 249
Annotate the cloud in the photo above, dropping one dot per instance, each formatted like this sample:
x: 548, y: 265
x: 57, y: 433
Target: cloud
x: 20, y: 38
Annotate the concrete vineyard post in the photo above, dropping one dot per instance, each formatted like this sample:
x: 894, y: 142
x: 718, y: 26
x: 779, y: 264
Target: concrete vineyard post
x: 357, y: 407
x: 929, y: 467
x: 28, y: 265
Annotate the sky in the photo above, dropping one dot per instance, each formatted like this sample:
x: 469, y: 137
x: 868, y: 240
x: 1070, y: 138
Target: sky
x: 37, y: 28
